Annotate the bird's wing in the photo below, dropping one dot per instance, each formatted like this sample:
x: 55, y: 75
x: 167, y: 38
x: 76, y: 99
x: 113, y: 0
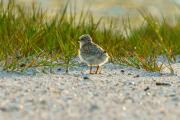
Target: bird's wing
x: 93, y: 49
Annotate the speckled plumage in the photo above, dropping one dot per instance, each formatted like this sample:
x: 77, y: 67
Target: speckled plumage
x: 91, y: 53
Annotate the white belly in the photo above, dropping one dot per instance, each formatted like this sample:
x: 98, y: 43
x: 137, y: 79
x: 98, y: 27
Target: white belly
x: 93, y: 60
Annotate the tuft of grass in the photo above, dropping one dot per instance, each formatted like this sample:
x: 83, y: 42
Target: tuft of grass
x: 29, y: 38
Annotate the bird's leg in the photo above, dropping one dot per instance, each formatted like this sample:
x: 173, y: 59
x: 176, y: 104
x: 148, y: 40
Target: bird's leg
x: 100, y: 69
x: 97, y: 69
x: 90, y: 70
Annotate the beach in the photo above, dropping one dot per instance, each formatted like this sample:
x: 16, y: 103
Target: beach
x: 119, y: 92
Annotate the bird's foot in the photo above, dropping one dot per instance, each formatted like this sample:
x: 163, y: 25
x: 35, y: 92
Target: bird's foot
x: 91, y: 73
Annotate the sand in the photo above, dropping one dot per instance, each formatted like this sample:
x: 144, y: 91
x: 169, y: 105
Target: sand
x: 118, y: 93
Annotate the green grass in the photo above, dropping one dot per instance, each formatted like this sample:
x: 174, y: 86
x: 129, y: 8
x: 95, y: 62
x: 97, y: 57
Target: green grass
x: 29, y: 38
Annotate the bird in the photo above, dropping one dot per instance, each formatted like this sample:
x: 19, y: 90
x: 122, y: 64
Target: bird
x: 91, y: 53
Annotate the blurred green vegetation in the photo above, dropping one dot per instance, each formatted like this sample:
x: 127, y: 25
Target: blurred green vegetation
x: 29, y: 38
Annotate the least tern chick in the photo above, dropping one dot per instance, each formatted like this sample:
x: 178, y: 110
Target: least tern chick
x: 91, y: 53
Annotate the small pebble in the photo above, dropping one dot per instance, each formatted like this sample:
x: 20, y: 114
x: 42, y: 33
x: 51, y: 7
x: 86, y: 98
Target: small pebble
x: 122, y: 71
x: 59, y: 69
x: 93, y: 108
x: 3, y: 109
x: 147, y: 88
x: 162, y: 84
x: 172, y: 95
x: 84, y: 76
x: 136, y: 76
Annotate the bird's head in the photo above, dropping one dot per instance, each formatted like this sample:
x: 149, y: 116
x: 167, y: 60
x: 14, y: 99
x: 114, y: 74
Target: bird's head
x: 85, y: 39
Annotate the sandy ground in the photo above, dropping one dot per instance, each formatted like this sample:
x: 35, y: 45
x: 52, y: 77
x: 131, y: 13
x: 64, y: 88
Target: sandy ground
x: 119, y: 93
